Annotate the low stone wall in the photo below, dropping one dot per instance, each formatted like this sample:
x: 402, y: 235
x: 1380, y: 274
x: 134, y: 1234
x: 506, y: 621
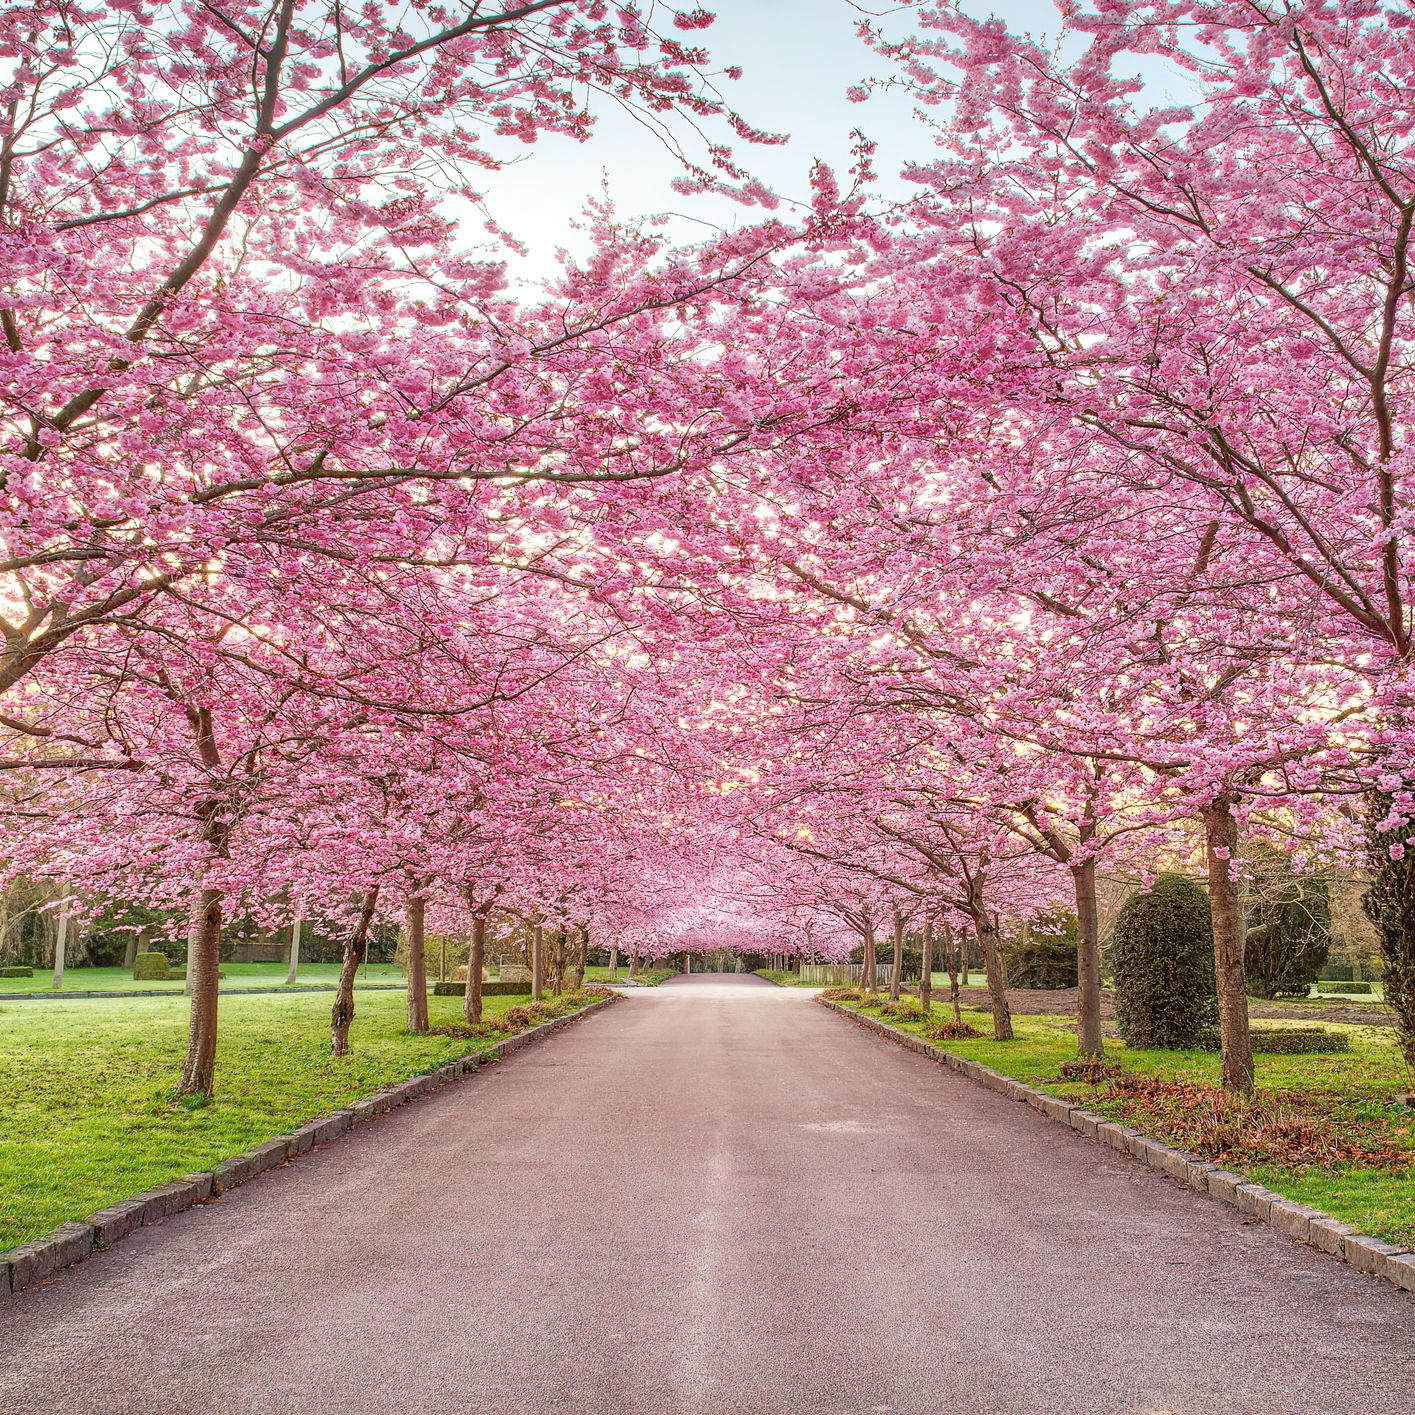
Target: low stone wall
x: 1310, y: 1226
x: 71, y: 1243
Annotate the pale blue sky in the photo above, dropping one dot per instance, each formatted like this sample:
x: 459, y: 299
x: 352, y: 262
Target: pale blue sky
x: 798, y: 57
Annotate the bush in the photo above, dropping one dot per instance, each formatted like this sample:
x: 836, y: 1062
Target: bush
x: 1092, y: 1070
x: 173, y: 975
x: 1337, y: 973
x: 1356, y: 989
x: 1043, y: 958
x: 16, y: 971
x: 1162, y: 957
x: 1289, y: 926
x: 902, y: 1011
x: 1286, y: 1040
x: 151, y: 968
x: 952, y: 1032
x: 468, y: 1031
x: 842, y: 994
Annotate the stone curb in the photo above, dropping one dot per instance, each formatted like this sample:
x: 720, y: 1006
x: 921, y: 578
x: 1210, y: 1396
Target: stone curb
x: 29, y: 1264
x: 1318, y: 1230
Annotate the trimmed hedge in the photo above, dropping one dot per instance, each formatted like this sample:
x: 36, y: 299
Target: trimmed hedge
x: 16, y: 971
x: 487, y: 989
x: 152, y: 968
x: 1355, y: 989
x: 1162, y: 958
x: 1045, y: 963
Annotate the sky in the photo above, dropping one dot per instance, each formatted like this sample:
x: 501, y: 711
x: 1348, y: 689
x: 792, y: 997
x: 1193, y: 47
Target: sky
x: 798, y: 57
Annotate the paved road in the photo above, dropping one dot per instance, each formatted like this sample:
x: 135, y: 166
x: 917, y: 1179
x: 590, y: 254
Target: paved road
x: 714, y: 1197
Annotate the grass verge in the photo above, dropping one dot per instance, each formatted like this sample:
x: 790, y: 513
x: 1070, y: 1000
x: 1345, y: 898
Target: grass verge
x: 1324, y: 1130
x: 86, y: 1110
x: 262, y: 975
x: 783, y: 980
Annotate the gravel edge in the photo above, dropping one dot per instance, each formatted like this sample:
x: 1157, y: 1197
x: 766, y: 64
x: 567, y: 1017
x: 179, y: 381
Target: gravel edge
x: 1318, y: 1230
x: 31, y: 1263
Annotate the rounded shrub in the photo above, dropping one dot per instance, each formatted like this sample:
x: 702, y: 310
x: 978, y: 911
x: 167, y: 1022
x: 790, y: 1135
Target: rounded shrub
x: 1045, y: 956
x: 152, y: 967
x: 1162, y: 959
x: 1289, y: 926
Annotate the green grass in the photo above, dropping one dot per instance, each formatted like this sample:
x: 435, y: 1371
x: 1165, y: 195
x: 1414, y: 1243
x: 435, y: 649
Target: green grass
x: 1348, y: 1092
x: 784, y: 980
x: 86, y: 1116
x: 649, y: 977
x: 1317, y: 995
x: 237, y: 975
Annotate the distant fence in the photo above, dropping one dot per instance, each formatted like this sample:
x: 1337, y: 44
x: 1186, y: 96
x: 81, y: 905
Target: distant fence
x: 843, y: 975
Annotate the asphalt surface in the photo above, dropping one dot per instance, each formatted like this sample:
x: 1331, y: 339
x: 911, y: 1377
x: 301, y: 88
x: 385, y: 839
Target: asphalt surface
x: 713, y: 1197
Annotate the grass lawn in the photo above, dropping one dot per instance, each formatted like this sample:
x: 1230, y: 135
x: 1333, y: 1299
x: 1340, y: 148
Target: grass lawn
x: 237, y: 975
x: 650, y: 977
x: 86, y: 1117
x: 785, y: 980
x: 1318, y: 993
x: 1327, y: 1130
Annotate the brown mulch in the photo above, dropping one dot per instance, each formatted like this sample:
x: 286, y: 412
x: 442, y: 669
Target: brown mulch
x: 1290, y: 1129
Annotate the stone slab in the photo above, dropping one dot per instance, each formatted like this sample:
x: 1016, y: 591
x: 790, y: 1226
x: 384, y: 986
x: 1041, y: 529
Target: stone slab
x: 268, y: 1155
x: 1197, y: 1175
x: 1223, y: 1185
x: 1368, y: 1255
x: 1328, y: 1234
x: 229, y: 1174
x: 1087, y: 1122
x: 1399, y: 1268
x: 1255, y: 1200
x: 34, y: 1261
x: 116, y: 1221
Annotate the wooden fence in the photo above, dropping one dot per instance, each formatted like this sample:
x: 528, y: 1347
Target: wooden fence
x: 843, y: 975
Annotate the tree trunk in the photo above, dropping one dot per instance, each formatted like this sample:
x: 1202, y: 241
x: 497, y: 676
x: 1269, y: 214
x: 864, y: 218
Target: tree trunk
x: 293, y: 976
x: 951, y: 955
x: 557, y: 964
x: 203, y: 979
x: 613, y: 962
x: 869, y: 977
x: 417, y: 965
x: 992, y: 967
x: 476, y: 961
x: 581, y: 958
x: 130, y: 953
x: 926, y: 967
x: 537, y: 962
x: 633, y: 964
x: 896, y: 974
x: 1226, y: 909
x: 61, y: 942
x: 1089, y: 1041
x: 190, y: 986
x: 355, y: 947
